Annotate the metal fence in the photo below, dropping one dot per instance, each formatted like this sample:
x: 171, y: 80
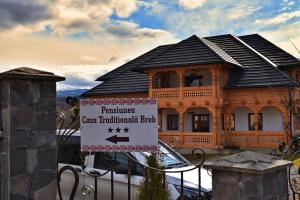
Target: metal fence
x: 66, y: 128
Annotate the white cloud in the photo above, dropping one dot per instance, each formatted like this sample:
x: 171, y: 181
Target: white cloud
x: 291, y: 3
x: 216, y: 17
x: 281, y: 18
x: 191, y: 4
x: 283, y: 34
x: 155, y: 7
x: 125, y: 8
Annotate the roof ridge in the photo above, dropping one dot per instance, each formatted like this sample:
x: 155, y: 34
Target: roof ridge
x: 203, y: 40
x: 129, y: 62
x: 255, y: 51
x: 263, y: 57
x: 271, y: 43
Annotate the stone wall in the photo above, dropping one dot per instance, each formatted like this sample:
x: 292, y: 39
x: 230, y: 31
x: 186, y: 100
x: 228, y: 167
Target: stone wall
x: 28, y: 150
x: 249, y: 176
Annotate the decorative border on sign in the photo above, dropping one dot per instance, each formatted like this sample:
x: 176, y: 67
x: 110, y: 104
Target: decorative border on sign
x: 117, y: 101
x: 115, y: 148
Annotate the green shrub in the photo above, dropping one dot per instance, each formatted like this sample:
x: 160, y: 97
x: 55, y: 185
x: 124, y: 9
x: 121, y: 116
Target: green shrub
x: 156, y: 189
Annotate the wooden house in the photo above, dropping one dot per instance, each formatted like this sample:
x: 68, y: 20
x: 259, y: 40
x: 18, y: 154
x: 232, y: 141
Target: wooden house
x: 214, y: 92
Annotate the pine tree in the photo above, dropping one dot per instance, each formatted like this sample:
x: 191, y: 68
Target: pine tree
x: 155, y: 189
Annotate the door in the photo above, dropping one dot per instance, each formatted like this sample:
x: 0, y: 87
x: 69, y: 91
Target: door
x: 200, y: 123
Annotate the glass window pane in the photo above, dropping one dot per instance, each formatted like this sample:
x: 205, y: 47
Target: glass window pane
x: 172, y: 122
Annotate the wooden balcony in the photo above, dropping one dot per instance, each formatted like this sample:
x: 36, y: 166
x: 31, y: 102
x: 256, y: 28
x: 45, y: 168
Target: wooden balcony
x: 185, y: 92
x: 242, y: 139
x: 254, y: 139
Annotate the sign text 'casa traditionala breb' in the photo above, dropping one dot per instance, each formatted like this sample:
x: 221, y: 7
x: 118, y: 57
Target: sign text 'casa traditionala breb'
x: 118, y: 124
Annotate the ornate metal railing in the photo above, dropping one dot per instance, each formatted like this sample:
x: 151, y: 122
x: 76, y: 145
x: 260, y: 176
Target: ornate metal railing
x: 67, y: 129
x: 291, y: 152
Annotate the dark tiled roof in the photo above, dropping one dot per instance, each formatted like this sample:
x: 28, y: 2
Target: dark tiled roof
x: 278, y: 56
x: 257, y: 72
x: 134, y: 63
x: 123, y: 79
x: 190, y: 51
x: 250, y: 68
x: 220, y: 52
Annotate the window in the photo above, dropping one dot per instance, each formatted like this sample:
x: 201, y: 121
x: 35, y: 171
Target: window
x: 251, y: 121
x: 155, y: 82
x: 260, y: 121
x: 105, y: 160
x: 193, y: 81
x: 200, y: 122
x: 172, y: 122
x: 232, y: 122
x: 70, y: 154
x: 164, y: 81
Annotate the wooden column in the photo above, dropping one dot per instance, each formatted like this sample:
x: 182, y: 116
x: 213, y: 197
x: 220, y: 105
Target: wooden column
x: 214, y: 81
x: 181, y: 85
x: 216, y: 86
x: 150, y: 84
x: 181, y: 126
x: 256, y: 126
x: 160, y: 120
x: 216, y: 125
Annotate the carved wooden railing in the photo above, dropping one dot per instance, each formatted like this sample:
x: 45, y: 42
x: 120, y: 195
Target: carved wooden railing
x: 254, y: 138
x: 185, y: 92
x: 190, y: 139
x: 196, y: 92
x: 165, y: 93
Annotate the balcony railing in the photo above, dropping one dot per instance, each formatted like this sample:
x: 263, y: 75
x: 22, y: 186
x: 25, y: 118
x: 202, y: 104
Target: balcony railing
x: 185, y: 92
x: 166, y: 93
x: 254, y: 138
x: 243, y: 139
x: 190, y: 139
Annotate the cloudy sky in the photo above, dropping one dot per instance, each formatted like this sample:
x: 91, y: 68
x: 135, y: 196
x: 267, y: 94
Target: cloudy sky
x: 83, y: 39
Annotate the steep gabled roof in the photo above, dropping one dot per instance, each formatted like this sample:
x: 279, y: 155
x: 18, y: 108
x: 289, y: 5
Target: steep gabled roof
x: 191, y: 51
x: 278, y: 56
x: 258, y: 72
x: 255, y: 65
x: 123, y: 79
x: 134, y: 63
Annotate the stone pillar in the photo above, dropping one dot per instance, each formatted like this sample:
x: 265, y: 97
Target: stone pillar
x: 249, y: 175
x: 28, y: 120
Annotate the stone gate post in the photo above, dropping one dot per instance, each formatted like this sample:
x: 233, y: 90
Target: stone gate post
x: 28, y: 134
x: 249, y: 175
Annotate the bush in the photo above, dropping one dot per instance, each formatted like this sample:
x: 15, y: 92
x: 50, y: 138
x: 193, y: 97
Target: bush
x: 156, y: 189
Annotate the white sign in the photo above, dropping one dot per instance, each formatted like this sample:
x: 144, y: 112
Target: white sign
x: 119, y: 124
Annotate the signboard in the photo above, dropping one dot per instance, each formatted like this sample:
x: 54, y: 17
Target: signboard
x: 119, y: 125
